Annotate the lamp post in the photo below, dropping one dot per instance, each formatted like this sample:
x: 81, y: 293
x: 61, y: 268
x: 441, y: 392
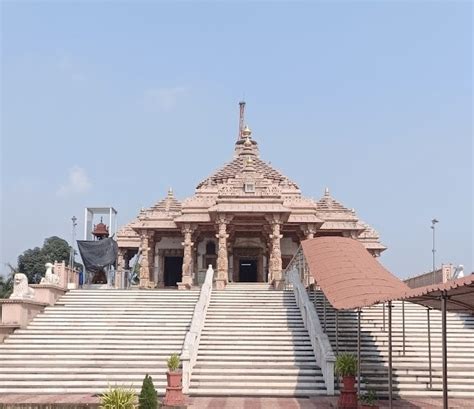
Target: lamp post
x: 72, y: 255
x: 433, y: 227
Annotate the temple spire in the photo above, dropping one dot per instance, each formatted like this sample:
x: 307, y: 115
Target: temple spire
x: 241, y: 118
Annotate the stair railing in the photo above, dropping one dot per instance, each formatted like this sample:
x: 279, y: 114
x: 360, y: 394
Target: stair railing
x: 193, y: 336
x: 319, y: 340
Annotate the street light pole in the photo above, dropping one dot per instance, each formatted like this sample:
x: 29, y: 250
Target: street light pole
x: 433, y: 227
x: 72, y: 255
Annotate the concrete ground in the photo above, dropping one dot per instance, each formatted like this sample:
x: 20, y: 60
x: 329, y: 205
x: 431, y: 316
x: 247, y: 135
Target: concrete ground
x: 236, y: 403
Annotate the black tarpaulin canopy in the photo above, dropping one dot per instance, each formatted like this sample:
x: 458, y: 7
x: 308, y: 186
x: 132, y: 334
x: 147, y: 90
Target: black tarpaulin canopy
x: 99, y: 254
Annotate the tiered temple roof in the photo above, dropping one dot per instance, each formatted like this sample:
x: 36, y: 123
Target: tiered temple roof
x: 247, y: 185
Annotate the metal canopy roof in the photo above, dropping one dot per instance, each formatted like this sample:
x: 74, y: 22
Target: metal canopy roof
x: 348, y: 274
x: 460, y: 295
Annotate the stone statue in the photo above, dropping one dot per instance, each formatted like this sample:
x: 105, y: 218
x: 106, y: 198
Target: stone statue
x: 21, y: 290
x: 50, y: 277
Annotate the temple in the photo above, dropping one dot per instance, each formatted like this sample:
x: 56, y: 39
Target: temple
x: 246, y: 220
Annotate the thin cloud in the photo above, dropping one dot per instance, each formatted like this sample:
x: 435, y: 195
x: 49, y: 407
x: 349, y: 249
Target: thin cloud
x: 71, y: 68
x: 164, y: 99
x: 78, y: 182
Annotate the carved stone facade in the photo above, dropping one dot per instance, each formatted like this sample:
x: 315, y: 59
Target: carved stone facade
x: 244, y: 212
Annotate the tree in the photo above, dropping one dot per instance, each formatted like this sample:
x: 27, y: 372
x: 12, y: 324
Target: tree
x: 6, y: 282
x: 148, y: 398
x: 56, y: 249
x: 32, y: 261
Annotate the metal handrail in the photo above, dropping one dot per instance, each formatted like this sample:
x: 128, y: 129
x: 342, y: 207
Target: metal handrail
x: 319, y: 340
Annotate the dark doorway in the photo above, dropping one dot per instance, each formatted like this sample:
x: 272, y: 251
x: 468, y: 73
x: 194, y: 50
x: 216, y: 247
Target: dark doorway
x: 173, y: 271
x: 248, y: 271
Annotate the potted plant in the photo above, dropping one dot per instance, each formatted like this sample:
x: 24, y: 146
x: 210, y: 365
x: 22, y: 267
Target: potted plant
x: 369, y: 400
x: 346, y: 367
x: 174, y: 377
x: 118, y: 397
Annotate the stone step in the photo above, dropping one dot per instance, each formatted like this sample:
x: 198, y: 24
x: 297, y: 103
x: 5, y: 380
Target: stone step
x: 261, y: 391
x: 80, y: 356
x: 254, y: 347
x: 284, y: 383
x: 82, y: 341
x: 90, y: 361
x: 264, y: 371
x: 57, y: 390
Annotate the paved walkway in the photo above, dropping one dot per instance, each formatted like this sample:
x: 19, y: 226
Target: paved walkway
x: 243, y: 403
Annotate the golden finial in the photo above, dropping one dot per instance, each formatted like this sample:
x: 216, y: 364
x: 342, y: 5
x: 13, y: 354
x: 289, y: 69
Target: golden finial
x: 170, y: 191
x: 246, y: 132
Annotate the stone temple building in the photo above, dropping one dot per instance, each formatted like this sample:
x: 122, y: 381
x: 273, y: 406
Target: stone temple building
x: 246, y: 220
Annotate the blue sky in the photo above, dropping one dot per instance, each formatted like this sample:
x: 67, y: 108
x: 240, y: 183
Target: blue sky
x: 107, y: 103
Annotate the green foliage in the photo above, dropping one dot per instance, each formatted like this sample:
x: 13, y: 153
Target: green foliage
x: 346, y: 365
x: 148, y: 398
x: 369, y: 399
x: 174, y: 362
x: 118, y: 398
x: 6, y: 282
x: 32, y: 261
x: 56, y: 249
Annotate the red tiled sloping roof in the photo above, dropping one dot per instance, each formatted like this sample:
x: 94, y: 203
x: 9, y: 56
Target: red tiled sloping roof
x: 348, y: 274
x: 460, y: 295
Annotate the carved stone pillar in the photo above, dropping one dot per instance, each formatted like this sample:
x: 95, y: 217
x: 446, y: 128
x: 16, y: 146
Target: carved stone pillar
x: 222, y: 255
x: 146, y: 259
x: 121, y: 266
x: 275, y: 268
x: 161, y: 269
x: 187, y: 277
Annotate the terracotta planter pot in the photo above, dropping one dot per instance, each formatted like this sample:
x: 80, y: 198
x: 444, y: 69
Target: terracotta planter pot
x: 174, y: 391
x: 348, y: 397
x: 174, y: 379
x: 349, y: 383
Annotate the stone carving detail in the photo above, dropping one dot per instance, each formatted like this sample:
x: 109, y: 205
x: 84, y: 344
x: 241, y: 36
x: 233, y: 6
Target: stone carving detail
x: 49, y: 276
x: 227, y: 190
x: 272, y: 190
x: 309, y: 231
x: 21, y: 290
x: 146, y: 260
x: 188, y: 250
x: 222, y: 256
x: 275, y: 263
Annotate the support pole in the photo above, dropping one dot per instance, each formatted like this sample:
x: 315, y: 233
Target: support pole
x: 324, y: 312
x: 429, y: 347
x: 403, y: 326
x: 337, y: 332
x: 390, y: 354
x: 444, y: 349
x: 383, y: 317
x: 358, y: 352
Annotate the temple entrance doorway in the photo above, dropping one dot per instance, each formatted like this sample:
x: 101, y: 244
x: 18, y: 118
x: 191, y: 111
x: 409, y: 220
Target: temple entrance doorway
x: 173, y: 271
x: 248, y: 271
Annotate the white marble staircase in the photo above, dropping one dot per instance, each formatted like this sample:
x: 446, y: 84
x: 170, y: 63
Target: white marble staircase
x: 410, y: 370
x: 94, y: 338
x: 254, y: 344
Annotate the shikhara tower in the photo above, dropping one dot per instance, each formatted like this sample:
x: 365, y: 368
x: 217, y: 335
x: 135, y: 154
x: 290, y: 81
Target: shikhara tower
x: 247, y: 220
